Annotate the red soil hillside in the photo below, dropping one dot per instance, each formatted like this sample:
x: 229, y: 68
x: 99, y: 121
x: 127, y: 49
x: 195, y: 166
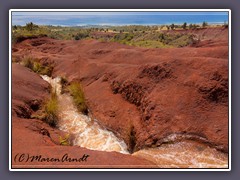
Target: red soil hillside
x: 33, y: 137
x: 146, y: 95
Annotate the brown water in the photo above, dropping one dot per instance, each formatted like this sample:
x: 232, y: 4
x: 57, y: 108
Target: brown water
x: 185, y: 154
x: 89, y: 134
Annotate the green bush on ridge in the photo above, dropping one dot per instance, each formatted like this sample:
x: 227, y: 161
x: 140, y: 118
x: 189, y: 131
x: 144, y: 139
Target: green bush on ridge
x: 36, y: 66
x: 135, y: 35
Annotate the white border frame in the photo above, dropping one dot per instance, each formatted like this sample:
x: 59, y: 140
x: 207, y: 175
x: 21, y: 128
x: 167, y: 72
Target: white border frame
x: 120, y: 10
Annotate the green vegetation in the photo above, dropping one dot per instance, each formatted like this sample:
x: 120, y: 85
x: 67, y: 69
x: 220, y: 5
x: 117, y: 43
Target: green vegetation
x: 184, y: 26
x: 150, y: 44
x: 30, y: 26
x: 64, y: 81
x: 81, y: 35
x: 132, y: 28
x: 136, y: 35
x: 172, y: 26
x: 77, y: 93
x: 20, y: 33
x: 51, y: 110
x: 30, y: 30
x: 183, y: 40
x: 64, y: 141
x: 154, y: 40
x: 204, y: 24
x: 36, y: 66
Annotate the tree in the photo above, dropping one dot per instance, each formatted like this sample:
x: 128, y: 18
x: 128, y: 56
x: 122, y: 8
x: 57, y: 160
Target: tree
x: 184, y: 26
x: 204, y: 24
x: 190, y: 26
x: 30, y: 26
x: 172, y: 26
x: 14, y: 27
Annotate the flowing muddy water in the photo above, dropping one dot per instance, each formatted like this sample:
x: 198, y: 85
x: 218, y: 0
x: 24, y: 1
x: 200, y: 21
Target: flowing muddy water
x: 86, y: 131
x: 185, y: 154
x: 89, y: 134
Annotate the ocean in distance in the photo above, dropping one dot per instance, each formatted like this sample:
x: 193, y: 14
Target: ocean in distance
x: 117, y: 18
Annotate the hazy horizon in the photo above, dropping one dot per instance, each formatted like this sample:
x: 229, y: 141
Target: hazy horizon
x: 117, y: 18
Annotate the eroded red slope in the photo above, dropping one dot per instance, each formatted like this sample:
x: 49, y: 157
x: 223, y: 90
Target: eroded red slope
x: 146, y: 94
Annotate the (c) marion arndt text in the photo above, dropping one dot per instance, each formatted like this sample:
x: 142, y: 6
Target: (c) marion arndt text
x: 25, y: 157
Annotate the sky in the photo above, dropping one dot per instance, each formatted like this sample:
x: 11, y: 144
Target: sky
x: 116, y: 18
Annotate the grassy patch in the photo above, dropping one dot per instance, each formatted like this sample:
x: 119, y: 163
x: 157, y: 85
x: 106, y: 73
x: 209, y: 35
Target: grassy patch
x: 77, y: 93
x: 20, y: 33
x: 64, y: 82
x: 150, y: 44
x: 51, y: 110
x: 142, y: 36
x: 36, y: 66
x: 153, y: 39
x: 182, y: 41
x: 64, y: 141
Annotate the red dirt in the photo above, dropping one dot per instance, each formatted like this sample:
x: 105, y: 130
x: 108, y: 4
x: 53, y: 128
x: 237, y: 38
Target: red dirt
x: 147, y: 93
x: 28, y: 91
x: 34, y: 137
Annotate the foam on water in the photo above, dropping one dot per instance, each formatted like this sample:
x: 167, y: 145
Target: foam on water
x: 89, y: 134
x: 86, y: 131
x: 185, y: 154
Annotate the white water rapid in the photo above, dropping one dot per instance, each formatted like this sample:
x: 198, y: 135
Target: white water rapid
x: 86, y: 131
x: 89, y: 134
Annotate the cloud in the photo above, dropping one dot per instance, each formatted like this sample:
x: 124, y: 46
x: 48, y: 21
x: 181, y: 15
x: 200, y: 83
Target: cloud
x: 48, y: 13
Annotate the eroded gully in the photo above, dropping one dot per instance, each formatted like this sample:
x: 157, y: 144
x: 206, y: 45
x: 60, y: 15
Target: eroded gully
x: 89, y: 134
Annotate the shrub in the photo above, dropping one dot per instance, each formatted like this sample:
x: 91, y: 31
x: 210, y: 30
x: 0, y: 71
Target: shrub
x: 204, y: 24
x: 36, y: 66
x: 172, y: 26
x: 51, y: 110
x: 30, y: 26
x: 46, y: 70
x: 81, y: 35
x: 77, y: 93
x: 184, y: 26
x: 63, y: 81
x: 64, y: 141
x: 28, y: 62
x: 182, y: 41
